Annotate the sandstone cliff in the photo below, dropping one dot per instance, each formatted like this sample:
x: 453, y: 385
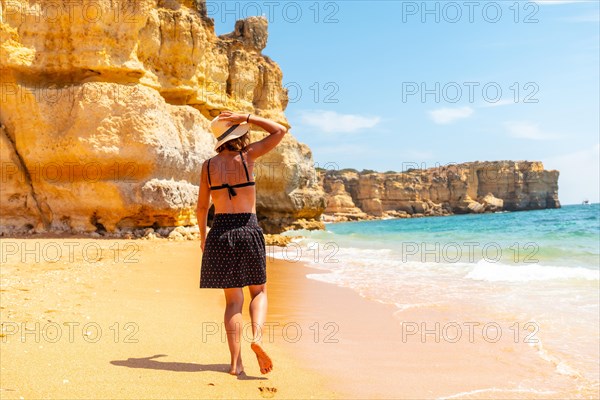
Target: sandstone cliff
x: 105, y: 112
x: 473, y: 187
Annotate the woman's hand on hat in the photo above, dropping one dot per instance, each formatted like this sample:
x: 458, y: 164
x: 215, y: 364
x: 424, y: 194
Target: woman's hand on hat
x: 232, y: 117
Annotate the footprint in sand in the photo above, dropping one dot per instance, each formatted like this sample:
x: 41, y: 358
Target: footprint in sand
x: 267, y: 392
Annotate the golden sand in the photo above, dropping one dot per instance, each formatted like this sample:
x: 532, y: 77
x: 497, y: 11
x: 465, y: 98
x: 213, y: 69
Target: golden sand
x: 125, y: 319
x: 85, y: 318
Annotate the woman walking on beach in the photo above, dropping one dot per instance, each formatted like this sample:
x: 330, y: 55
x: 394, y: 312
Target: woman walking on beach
x: 233, y: 253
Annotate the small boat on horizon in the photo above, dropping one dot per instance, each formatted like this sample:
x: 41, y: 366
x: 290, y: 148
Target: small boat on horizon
x: 585, y: 202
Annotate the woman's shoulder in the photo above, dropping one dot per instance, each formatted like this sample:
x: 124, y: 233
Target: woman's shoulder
x: 248, y: 154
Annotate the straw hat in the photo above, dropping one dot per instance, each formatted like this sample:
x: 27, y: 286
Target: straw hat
x: 223, y: 131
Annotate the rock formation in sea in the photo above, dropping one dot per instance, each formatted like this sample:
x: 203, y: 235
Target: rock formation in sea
x: 105, y: 114
x: 473, y: 187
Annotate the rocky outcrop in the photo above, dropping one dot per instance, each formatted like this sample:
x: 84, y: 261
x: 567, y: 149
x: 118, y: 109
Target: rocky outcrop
x: 105, y: 113
x: 340, y: 204
x: 473, y: 187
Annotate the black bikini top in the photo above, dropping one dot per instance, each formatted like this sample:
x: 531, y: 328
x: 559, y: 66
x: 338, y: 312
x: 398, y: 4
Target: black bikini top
x: 227, y: 186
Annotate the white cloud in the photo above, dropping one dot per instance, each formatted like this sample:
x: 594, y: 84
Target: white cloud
x: 448, y: 115
x: 579, y: 175
x: 333, y: 122
x: 527, y: 130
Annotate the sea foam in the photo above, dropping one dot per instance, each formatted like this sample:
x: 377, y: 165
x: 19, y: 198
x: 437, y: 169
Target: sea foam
x: 499, y: 272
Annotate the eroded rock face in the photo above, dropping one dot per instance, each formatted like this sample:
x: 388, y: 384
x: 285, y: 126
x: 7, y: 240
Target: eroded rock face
x: 106, y: 161
x: 464, y: 188
x: 340, y: 204
x: 105, y: 115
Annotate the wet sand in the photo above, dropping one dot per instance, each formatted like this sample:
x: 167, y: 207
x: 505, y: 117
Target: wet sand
x: 126, y: 319
x: 375, y: 351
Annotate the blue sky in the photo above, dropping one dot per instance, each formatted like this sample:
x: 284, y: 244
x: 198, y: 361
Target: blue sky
x: 385, y: 85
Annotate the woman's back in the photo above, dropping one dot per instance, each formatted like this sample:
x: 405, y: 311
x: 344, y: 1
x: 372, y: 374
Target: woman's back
x: 230, y: 183
x: 230, y: 176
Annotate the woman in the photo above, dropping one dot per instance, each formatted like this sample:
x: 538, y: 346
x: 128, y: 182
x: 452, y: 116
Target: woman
x: 233, y: 253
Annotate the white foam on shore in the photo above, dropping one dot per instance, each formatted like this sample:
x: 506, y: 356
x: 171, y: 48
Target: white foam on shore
x: 354, y: 260
x: 561, y: 366
x: 499, y: 272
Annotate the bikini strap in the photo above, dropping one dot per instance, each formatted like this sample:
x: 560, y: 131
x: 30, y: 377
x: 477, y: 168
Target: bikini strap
x: 245, y: 167
x: 208, y: 172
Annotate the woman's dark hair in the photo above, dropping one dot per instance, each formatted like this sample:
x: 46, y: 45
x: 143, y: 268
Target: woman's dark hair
x: 237, y: 144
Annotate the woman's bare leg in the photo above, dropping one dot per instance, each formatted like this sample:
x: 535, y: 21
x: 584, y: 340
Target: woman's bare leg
x: 234, y: 298
x: 258, y: 315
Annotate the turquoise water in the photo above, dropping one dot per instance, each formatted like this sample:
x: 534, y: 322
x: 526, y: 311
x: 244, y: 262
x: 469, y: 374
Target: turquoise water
x: 541, y: 266
x: 569, y: 236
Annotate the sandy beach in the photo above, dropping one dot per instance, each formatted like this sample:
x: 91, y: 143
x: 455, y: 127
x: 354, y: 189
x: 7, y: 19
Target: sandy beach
x: 108, y: 318
x: 425, y: 174
x: 125, y: 323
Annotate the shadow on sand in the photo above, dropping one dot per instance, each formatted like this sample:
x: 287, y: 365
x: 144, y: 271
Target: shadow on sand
x: 150, y: 363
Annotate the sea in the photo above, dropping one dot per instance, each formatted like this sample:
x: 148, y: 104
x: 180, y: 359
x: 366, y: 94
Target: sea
x: 542, y: 267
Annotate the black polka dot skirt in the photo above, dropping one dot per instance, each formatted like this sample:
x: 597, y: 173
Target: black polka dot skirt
x: 234, y: 253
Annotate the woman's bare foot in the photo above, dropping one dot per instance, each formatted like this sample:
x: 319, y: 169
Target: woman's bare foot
x: 237, y: 368
x: 264, y: 361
